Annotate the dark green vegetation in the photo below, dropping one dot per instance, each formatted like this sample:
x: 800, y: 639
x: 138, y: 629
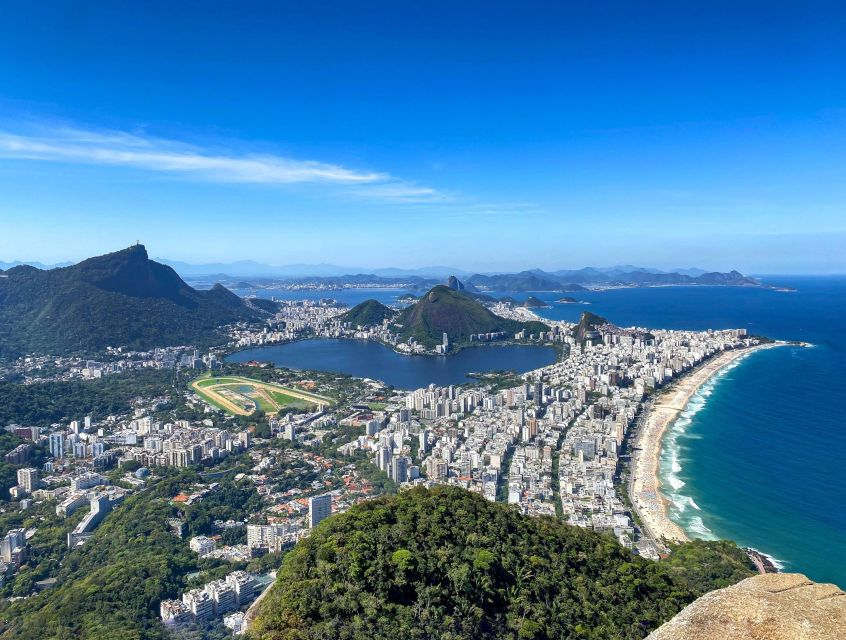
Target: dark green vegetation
x: 444, y: 310
x: 119, y: 299
x: 263, y: 304
x: 110, y: 588
x: 230, y: 502
x: 42, y: 404
x: 9, y: 472
x: 446, y: 563
x: 367, y: 314
x: 704, y: 566
x: 44, y: 549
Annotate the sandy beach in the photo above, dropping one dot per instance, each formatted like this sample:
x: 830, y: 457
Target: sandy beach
x: 646, y: 485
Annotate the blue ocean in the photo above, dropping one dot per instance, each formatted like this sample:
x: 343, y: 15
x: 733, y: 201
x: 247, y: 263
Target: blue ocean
x: 758, y: 457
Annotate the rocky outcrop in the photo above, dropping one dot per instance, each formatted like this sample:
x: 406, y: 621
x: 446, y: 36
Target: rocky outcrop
x: 776, y: 606
x: 455, y: 284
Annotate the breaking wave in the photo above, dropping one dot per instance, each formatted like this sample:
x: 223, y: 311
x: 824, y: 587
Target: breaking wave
x: 681, y: 507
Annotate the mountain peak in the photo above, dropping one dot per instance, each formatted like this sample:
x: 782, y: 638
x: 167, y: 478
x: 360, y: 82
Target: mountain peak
x: 368, y: 313
x: 455, y: 283
x: 130, y: 299
x: 459, y: 315
x: 131, y: 272
x: 137, y: 249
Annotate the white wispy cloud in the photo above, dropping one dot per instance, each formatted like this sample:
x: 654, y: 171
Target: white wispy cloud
x: 400, y: 192
x: 117, y: 148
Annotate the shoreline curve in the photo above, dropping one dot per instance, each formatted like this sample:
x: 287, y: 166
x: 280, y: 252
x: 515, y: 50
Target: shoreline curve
x: 662, y: 411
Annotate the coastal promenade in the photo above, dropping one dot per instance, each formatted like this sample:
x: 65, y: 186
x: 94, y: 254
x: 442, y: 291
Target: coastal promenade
x: 660, y: 413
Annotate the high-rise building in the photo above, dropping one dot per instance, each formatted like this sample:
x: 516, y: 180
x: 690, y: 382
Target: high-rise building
x: 57, y: 445
x: 399, y: 469
x: 319, y: 508
x: 244, y: 585
x: 28, y: 479
x: 383, y: 458
x: 13, y: 546
x: 372, y: 427
x: 223, y: 596
x: 200, y: 603
x: 20, y: 454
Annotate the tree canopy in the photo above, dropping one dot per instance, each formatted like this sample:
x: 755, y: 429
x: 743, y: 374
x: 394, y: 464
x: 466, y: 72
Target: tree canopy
x: 446, y: 563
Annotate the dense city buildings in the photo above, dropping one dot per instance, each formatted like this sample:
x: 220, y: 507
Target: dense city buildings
x: 554, y: 443
x: 550, y: 442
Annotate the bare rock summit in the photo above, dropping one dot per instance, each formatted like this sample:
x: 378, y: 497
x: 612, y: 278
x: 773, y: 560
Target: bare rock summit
x: 775, y: 606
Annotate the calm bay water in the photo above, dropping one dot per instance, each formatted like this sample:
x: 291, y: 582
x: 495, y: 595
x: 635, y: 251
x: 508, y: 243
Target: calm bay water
x: 374, y: 360
x: 758, y: 455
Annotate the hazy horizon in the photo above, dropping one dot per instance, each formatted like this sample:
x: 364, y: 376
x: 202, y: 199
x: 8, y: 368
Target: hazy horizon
x: 431, y: 269
x: 494, y: 137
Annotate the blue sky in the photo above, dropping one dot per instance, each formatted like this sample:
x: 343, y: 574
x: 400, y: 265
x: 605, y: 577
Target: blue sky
x: 485, y: 135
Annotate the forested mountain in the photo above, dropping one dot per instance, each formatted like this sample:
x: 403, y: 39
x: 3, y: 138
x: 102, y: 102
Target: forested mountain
x: 119, y: 299
x: 368, y: 313
x: 444, y: 310
x: 446, y: 563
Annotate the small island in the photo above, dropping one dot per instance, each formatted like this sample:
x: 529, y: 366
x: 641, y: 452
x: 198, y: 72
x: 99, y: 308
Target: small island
x: 534, y: 303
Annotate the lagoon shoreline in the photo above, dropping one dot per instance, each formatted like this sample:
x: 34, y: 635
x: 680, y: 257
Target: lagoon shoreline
x: 661, y: 412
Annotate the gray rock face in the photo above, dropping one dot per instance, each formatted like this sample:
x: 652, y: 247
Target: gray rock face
x: 776, y: 606
x: 455, y: 283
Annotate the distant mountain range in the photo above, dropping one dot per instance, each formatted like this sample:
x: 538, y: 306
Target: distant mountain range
x: 5, y: 266
x: 247, y: 273
x: 119, y: 299
x: 251, y: 269
x: 567, y: 280
x: 533, y: 280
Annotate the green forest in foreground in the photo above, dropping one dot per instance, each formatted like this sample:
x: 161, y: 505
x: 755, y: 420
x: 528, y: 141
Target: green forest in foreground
x: 446, y: 563
x: 441, y: 563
